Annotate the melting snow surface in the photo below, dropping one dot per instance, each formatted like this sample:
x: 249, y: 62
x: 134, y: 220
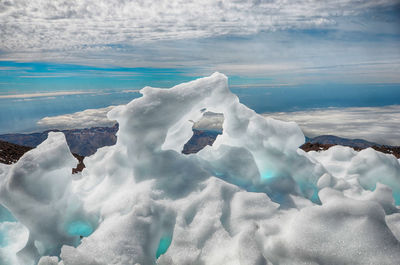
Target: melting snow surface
x: 251, y: 198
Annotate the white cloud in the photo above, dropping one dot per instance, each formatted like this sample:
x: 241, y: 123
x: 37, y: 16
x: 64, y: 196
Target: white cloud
x: 130, y: 91
x: 78, y: 120
x: 45, y: 94
x: 376, y: 124
x: 210, y: 121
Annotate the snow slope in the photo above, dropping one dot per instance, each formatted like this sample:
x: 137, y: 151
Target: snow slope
x: 251, y: 198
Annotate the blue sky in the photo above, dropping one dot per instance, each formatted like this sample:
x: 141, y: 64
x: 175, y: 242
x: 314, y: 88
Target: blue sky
x: 279, y: 56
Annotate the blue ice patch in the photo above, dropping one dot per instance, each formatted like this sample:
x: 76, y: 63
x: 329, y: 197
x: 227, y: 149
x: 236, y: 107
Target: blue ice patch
x: 267, y: 175
x: 79, y: 228
x: 3, y: 241
x: 5, y: 215
x: 163, y: 246
x: 396, y: 197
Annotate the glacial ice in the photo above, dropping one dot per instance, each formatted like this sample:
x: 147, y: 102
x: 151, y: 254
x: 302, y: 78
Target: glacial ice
x: 251, y: 198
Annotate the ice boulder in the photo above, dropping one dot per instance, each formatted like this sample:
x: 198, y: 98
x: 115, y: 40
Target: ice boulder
x: 37, y: 190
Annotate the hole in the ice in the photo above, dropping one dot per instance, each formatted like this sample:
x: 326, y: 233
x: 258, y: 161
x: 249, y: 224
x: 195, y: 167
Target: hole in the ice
x: 205, y: 131
x: 163, y: 246
x: 79, y: 228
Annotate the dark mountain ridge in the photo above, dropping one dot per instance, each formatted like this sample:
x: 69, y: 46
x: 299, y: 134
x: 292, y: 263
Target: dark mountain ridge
x: 84, y: 142
x: 335, y: 140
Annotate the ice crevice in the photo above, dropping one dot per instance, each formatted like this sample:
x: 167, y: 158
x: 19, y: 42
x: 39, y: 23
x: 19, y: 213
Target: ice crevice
x: 252, y: 197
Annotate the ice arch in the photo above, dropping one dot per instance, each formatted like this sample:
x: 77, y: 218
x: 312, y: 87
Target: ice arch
x: 154, y: 126
x: 251, y: 198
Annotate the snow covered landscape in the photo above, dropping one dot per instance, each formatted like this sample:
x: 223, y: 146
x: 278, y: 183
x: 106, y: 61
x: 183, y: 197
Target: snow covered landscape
x: 251, y: 198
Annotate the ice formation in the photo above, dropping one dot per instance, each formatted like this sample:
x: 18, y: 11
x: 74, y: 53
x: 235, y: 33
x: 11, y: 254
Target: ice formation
x: 251, y: 198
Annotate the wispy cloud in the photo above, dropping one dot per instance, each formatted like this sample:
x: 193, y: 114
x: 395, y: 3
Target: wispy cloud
x: 42, y: 76
x: 33, y: 99
x: 131, y: 91
x: 45, y: 94
x: 262, y: 85
x: 376, y: 124
x: 102, y: 25
x: 298, y: 41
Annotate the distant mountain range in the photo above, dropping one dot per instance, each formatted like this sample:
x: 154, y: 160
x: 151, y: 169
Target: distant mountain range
x: 334, y: 140
x: 324, y: 142
x: 85, y: 142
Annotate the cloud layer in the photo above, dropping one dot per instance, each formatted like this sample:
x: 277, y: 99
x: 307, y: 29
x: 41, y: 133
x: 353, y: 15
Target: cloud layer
x: 296, y: 41
x: 98, y: 118
x: 101, y: 25
x: 376, y: 124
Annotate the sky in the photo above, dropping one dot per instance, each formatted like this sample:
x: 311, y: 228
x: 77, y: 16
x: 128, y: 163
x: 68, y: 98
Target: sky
x: 61, y: 57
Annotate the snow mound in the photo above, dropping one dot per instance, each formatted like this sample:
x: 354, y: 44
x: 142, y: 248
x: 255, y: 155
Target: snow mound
x: 251, y: 198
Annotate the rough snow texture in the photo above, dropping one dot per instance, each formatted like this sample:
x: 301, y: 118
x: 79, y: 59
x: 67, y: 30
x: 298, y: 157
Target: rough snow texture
x: 252, y: 198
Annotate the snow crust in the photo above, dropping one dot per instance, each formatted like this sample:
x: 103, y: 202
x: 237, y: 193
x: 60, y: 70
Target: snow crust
x: 252, y: 198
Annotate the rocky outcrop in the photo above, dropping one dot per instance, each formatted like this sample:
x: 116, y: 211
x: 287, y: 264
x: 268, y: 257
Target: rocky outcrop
x: 11, y: 153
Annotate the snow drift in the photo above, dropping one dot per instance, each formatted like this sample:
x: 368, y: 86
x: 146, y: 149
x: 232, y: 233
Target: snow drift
x: 251, y: 198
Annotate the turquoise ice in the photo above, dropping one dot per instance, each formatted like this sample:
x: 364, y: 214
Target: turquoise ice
x: 163, y: 246
x: 79, y: 228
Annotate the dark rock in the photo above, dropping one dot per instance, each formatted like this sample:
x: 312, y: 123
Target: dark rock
x: 10, y: 153
x: 199, y: 140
